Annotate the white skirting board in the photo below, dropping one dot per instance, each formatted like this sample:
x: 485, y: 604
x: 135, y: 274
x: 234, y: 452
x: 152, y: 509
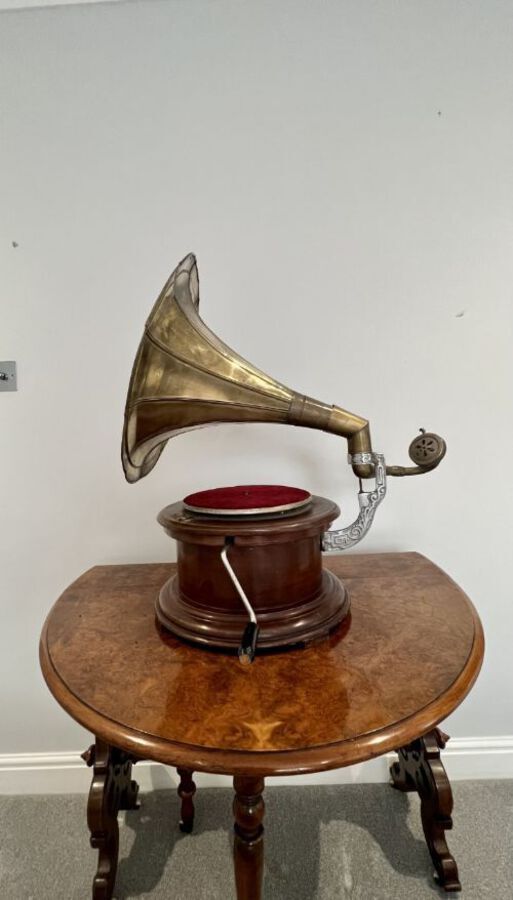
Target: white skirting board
x: 32, y: 4
x: 66, y: 773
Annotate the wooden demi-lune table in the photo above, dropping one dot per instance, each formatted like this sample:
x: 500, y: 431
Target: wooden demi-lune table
x: 406, y: 657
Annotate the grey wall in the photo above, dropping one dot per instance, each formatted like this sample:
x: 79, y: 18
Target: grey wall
x: 344, y: 173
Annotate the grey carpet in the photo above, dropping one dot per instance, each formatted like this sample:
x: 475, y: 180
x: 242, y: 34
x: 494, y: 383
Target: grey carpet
x: 362, y: 842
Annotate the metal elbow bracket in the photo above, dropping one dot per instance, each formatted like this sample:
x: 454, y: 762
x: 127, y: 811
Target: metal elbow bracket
x: 343, y: 538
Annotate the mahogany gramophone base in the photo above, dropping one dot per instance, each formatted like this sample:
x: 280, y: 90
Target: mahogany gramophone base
x: 277, y: 560
x: 302, y: 623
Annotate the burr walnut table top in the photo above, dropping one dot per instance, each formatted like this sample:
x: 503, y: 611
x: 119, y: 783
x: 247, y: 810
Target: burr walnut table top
x: 405, y: 658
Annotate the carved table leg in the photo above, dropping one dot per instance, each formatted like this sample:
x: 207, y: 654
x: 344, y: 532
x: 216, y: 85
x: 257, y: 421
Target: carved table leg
x: 421, y: 769
x: 248, y: 848
x: 112, y: 789
x: 186, y: 791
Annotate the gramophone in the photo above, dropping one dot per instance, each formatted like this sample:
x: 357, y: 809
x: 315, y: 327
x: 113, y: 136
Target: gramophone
x: 249, y: 557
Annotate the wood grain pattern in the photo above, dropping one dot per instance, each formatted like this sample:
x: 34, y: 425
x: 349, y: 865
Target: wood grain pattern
x: 279, y: 563
x: 402, y: 661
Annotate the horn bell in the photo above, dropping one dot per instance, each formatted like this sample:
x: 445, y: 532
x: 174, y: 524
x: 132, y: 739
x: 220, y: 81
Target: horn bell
x: 184, y: 377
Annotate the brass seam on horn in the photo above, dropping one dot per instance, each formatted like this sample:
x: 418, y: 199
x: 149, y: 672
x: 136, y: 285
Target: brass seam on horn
x: 198, y: 367
x: 233, y: 405
x: 218, y: 347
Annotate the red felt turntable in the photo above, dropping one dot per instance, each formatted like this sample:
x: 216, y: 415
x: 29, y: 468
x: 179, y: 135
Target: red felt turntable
x: 248, y: 500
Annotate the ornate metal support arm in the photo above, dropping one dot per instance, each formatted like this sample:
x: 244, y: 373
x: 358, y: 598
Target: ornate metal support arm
x: 342, y: 538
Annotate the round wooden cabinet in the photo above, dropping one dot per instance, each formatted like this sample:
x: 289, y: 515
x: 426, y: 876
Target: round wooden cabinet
x: 278, y: 561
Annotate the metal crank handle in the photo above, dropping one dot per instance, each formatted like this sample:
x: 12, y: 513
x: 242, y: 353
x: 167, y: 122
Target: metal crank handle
x: 247, y: 648
x: 343, y: 538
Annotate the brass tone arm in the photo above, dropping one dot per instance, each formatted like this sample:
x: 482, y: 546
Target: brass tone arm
x: 426, y: 450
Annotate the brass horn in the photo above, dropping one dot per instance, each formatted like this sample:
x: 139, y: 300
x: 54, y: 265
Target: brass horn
x: 185, y: 377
